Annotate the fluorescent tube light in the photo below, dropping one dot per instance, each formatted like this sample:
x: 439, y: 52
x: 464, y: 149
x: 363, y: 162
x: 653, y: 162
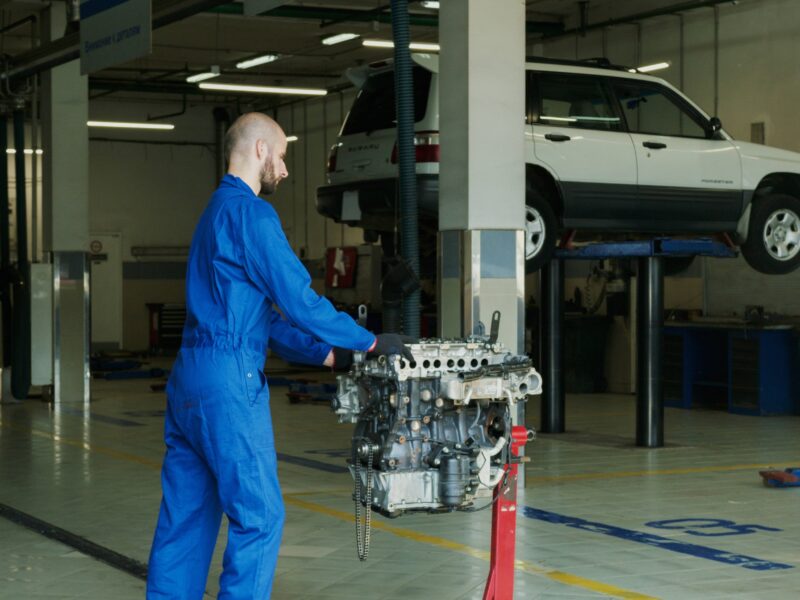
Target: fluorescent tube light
x: 653, y: 67
x: 432, y: 4
x: 262, y: 89
x: 423, y: 46
x: 258, y: 60
x: 201, y: 77
x: 339, y: 38
x: 25, y: 151
x: 291, y: 138
x: 124, y: 125
x: 211, y: 73
x: 378, y: 43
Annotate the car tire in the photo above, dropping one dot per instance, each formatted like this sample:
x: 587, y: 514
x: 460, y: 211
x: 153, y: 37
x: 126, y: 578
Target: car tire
x: 773, y: 238
x: 541, y: 231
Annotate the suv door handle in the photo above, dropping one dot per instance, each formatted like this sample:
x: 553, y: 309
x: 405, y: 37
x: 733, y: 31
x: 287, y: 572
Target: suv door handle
x: 557, y: 137
x: 654, y: 145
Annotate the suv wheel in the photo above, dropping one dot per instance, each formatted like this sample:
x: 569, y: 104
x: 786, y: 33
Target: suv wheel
x: 541, y: 229
x: 773, y: 239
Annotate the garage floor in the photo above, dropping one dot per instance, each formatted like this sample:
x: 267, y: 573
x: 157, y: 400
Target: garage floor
x: 599, y: 517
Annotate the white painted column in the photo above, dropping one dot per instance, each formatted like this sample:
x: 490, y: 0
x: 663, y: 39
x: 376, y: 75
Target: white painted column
x: 65, y: 214
x: 482, y: 179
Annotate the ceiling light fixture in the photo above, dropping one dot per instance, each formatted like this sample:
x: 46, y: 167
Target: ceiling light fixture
x: 262, y: 89
x: 339, y: 38
x: 422, y: 46
x: 432, y: 4
x: 211, y: 73
x: 653, y: 67
x: 292, y: 138
x: 25, y: 151
x: 258, y: 60
x: 125, y: 125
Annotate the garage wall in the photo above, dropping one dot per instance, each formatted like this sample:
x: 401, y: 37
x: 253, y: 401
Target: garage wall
x: 758, y: 80
x: 153, y: 193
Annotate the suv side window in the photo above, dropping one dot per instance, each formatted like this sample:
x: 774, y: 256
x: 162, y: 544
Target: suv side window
x: 651, y: 108
x: 578, y: 101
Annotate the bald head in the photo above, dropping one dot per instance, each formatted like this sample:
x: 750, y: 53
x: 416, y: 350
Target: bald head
x: 255, y: 148
x: 247, y: 130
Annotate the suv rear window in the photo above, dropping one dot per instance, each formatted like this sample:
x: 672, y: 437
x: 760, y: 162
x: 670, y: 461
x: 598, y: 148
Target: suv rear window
x: 374, y: 106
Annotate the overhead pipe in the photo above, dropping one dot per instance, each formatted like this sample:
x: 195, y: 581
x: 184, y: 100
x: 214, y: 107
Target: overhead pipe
x: 21, y: 328
x: 179, y: 113
x: 406, y: 160
x: 29, y: 19
x: 329, y: 16
x: 5, y: 234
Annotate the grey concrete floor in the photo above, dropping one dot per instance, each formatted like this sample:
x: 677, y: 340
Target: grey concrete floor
x: 598, y: 518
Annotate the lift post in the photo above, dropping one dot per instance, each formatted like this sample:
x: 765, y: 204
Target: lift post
x: 551, y: 348
x: 650, y: 317
x: 500, y: 584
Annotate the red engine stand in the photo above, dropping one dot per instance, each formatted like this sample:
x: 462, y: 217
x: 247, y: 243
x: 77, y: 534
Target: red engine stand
x: 500, y: 585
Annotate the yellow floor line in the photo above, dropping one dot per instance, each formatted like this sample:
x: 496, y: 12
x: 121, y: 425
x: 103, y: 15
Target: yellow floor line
x: 292, y: 499
x: 654, y: 472
x: 521, y: 565
x: 76, y: 443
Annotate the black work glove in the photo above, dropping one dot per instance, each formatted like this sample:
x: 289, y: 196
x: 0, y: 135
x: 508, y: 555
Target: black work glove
x: 342, y: 359
x: 391, y: 343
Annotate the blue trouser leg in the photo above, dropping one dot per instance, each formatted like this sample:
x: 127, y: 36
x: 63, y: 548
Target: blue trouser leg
x: 245, y: 465
x: 190, y: 515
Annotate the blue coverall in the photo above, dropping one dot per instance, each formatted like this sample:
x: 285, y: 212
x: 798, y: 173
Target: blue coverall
x: 220, y: 451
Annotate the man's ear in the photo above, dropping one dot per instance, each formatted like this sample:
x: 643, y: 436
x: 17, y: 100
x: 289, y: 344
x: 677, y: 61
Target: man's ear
x: 262, y: 149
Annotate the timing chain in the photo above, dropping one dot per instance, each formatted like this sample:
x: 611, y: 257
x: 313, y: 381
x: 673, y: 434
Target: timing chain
x: 363, y: 521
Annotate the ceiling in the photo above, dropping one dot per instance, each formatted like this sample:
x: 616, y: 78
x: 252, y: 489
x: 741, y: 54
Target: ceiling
x: 223, y: 36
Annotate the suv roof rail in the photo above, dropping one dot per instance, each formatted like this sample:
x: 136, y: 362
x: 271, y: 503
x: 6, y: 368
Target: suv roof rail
x: 598, y: 62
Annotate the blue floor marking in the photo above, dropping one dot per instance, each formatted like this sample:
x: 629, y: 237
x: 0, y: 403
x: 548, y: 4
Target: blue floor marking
x: 311, y: 463
x: 101, y: 418
x: 740, y: 560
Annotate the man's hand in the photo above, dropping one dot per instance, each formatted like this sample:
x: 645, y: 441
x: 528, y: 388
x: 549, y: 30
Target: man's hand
x: 391, y: 343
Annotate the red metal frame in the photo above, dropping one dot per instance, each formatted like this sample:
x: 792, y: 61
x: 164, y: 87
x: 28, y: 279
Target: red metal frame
x: 500, y: 585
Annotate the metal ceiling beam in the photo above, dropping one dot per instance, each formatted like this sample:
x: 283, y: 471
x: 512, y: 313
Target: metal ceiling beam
x: 111, y: 84
x: 65, y: 49
x: 642, y: 16
x: 327, y: 16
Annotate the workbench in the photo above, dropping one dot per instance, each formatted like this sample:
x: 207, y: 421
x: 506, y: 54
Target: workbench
x: 742, y: 368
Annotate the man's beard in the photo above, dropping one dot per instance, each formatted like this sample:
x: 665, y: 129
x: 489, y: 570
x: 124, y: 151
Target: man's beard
x: 269, y: 182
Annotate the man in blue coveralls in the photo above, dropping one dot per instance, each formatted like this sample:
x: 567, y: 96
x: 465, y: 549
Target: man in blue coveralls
x: 218, y: 431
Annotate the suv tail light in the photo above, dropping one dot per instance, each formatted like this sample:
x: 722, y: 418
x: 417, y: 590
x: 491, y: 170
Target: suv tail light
x: 426, y: 147
x: 332, y: 158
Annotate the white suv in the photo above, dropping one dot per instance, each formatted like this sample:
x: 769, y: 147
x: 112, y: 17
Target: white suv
x: 607, y: 150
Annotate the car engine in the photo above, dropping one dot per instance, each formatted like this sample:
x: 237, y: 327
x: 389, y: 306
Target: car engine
x: 432, y: 434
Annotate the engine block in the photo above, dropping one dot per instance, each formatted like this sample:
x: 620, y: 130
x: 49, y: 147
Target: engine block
x: 432, y: 434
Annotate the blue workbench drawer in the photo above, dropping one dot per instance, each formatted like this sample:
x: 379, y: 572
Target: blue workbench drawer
x: 763, y: 376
